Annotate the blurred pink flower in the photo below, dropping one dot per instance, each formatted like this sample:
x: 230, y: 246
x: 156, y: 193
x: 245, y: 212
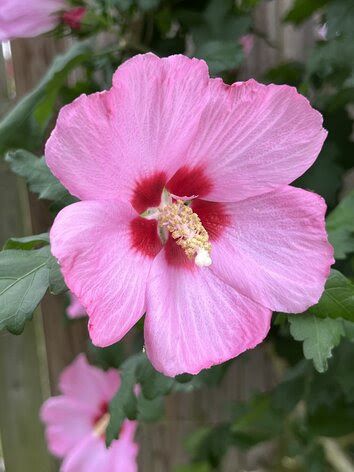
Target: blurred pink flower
x: 321, y: 32
x: 76, y: 422
x: 29, y: 18
x: 75, y: 309
x: 74, y: 17
x: 247, y: 43
x: 187, y: 214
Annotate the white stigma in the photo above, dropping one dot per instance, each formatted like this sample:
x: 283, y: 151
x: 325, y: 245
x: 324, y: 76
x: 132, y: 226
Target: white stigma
x: 202, y: 259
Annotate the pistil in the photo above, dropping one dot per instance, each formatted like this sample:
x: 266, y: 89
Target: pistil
x: 187, y: 229
x: 100, y: 427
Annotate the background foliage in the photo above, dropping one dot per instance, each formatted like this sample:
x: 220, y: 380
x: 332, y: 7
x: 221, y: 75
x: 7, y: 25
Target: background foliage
x: 307, y: 420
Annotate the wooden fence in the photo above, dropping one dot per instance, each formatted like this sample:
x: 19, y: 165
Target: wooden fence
x: 30, y: 364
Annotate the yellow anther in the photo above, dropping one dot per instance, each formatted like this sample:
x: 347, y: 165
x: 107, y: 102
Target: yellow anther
x: 187, y: 229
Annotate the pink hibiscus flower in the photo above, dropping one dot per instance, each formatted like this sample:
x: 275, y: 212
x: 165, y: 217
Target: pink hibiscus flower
x: 29, y: 18
x: 76, y: 422
x: 74, y: 17
x: 187, y: 214
x: 75, y: 309
x: 247, y: 43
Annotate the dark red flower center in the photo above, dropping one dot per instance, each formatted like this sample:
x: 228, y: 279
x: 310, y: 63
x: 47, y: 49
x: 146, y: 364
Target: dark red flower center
x: 186, y: 182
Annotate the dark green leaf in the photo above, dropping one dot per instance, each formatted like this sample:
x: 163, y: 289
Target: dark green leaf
x: 340, y: 227
x: 123, y: 404
x: 302, y: 9
x: 334, y: 421
x: 290, y: 73
x: 27, y: 242
x: 210, y: 444
x: 337, y: 300
x: 198, y: 467
x: 149, y: 410
x: 39, y: 177
x: 56, y: 280
x: 255, y: 421
x: 153, y: 384
x: 220, y: 55
x: 291, y: 389
x: 319, y: 336
x: 325, y: 176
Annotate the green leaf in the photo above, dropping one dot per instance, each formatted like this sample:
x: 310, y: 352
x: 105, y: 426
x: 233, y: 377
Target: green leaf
x: 24, y: 279
x: 334, y: 422
x: 337, y: 300
x: 210, y: 444
x: 56, y: 280
x: 24, y: 125
x: 27, y: 242
x: 325, y: 176
x: 291, y: 389
x: 255, y: 421
x: 302, y: 9
x: 340, y: 227
x: 38, y: 175
x: 340, y: 17
x: 149, y: 410
x: 123, y: 404
x: 220, y: 55
x: 319, y: 336
x: 197, y: 467
x: 153, y: 384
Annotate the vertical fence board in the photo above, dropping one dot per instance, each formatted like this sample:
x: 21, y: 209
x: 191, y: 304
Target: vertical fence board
x: 23, y: 444
x: 63, y: 340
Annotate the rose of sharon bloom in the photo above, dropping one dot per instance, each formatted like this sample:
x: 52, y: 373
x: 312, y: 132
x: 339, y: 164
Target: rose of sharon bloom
x: 186, y: 212
x: 74, y: 17
x: 76, y: 422
x: 75, y: 309
x: 247, y: 43
x: 29, y: 18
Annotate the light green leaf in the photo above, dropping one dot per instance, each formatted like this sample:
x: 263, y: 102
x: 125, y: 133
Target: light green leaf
x: 337, y: 300
x: 340, y: 227
x: 319, y: 336
x: 38, y: 175
x: 24, y: 279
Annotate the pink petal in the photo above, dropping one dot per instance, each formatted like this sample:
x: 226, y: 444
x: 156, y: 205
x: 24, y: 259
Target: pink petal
x: 254, y: 138
x: 275, y: 250
x: 94, y: 245
x: 194, y: 320
x: 23, y: 18
x: 75, y: 309
x: 67, y: 421
x: 90, y: 455
x: 123, y: 452
x: 140, y: 128
x: 87, y: 384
